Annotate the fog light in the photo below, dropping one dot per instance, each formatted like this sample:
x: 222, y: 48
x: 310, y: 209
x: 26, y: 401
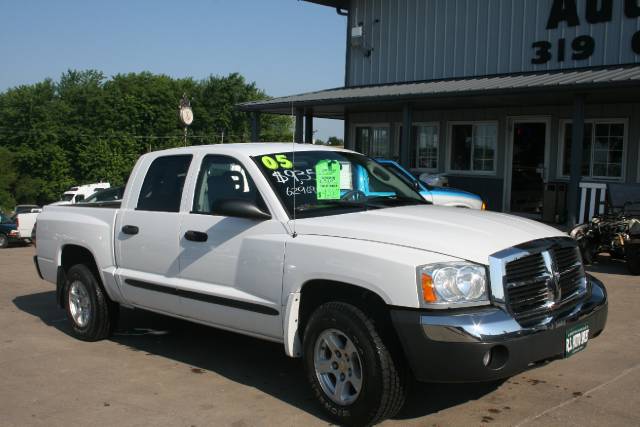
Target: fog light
x: 496, y: 357
x: 486, y: 359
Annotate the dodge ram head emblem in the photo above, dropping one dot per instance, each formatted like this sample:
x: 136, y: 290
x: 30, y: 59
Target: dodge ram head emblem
x: 553, y: 288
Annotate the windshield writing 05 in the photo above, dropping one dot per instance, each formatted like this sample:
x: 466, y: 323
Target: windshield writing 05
x: 319, y: 183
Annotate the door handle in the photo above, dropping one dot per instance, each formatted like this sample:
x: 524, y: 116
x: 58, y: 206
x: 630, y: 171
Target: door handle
x: 130, y: 229
x: 196, y: 236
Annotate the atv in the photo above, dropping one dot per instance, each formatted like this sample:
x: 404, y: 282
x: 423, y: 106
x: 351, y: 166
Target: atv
x: 617, y: 231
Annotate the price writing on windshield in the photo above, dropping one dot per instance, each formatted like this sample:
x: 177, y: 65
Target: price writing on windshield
x: 302, y: 189
x: 293, y: 174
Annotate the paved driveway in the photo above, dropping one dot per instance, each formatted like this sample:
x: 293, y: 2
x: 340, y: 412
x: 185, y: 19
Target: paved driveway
x: 160, y: 371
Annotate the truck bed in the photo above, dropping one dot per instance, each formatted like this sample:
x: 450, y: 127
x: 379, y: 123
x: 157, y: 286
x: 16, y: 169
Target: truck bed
x: 88, y: 226
x: 112, y: 205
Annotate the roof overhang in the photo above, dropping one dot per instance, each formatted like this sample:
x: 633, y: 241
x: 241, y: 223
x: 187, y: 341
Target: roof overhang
x: 342, y: 4
x: 603, y: 85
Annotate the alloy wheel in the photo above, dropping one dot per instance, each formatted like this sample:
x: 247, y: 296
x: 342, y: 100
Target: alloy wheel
x: 338, y: 367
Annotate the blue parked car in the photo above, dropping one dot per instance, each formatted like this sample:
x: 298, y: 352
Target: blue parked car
x: 8, y: 231
x: 444, y: 196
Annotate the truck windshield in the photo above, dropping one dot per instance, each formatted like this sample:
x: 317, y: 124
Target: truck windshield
x: 320, y: 183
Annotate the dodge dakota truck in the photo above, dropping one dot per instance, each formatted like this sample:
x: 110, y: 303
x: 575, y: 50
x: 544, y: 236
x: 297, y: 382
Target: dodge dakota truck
x: 367, y: 282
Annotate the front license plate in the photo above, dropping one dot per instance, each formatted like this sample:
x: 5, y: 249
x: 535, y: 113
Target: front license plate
x: 576, y: 340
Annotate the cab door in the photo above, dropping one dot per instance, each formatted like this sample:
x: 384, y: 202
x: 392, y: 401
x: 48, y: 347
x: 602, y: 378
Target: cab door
x: 230, y: 267
x: 146, y: 234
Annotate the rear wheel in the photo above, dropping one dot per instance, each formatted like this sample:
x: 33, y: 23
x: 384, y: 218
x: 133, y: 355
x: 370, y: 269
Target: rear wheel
x: 351, y: 371
x: 632, y: 255
x: 92, y: 315
x: 4, y: 241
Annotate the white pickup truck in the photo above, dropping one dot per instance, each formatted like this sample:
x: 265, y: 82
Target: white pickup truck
x: 25, y: 222
x: 366, y: 281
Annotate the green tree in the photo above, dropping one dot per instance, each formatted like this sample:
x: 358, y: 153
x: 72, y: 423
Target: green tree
x: 8, y: 176
x: 87, y: 127
x: 335, y: 141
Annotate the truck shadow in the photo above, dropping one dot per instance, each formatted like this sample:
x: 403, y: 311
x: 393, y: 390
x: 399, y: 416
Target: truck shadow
x: 245, y: 360
x: 609, y: 265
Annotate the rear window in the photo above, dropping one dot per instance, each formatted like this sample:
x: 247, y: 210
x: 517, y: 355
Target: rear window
x: 162, y: 187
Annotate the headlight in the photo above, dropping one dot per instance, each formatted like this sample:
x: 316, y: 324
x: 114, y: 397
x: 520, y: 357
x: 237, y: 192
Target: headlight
x: 452, y: 284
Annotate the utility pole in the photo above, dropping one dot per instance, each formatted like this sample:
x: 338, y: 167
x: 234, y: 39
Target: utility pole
x: 186, y: 114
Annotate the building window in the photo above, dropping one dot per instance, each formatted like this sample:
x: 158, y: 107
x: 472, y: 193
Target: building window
x: 425, y: 142
x: 473, y: 147
x: 603, y: 149
x: 375, y: 141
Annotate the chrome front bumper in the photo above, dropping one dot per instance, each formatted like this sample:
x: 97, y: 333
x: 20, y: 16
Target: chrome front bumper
x: 487, y: 344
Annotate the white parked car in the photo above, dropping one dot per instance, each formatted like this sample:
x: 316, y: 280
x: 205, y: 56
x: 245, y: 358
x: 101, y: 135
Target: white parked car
x: 328, y: 253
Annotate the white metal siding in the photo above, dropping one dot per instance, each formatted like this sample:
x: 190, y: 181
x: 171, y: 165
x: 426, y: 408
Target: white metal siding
x: 434, y: 39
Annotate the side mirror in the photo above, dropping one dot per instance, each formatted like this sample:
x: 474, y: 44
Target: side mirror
x: 240, y: 208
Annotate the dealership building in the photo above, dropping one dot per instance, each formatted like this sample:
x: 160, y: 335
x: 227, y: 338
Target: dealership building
x: 493, y: 93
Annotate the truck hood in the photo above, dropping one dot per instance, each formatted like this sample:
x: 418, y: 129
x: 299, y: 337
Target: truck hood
x: 462, y: 233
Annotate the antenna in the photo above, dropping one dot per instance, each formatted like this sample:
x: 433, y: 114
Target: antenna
x: 293, y: 178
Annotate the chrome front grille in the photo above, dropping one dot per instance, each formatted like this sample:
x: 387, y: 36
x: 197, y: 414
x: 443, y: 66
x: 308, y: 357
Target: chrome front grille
x: 538, y: 279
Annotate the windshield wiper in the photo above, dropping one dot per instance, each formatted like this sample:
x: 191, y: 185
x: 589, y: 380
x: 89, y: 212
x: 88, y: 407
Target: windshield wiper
x: 331, y: 204
x: 398, y: 200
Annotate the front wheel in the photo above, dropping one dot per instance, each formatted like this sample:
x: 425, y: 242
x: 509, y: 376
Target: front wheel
x: 351, y: 370
x: 91, y: 313
x: 4, y: 241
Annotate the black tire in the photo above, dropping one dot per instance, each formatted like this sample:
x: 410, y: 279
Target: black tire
x: 632, y: 255
x: 102, y: 316
x: 384, y: 386
x: 4, y: 241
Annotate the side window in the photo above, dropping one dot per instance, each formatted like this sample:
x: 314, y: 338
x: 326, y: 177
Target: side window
x: 223, y: 178
x: 162, y: 187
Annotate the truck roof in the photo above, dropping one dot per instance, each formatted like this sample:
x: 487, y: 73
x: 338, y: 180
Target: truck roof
x: 248, y: 148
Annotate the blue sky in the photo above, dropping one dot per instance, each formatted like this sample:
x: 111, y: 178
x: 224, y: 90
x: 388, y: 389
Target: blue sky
x: 285, y: 46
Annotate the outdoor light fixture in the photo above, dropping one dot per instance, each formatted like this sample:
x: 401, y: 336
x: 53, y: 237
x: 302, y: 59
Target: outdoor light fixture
x: 357, y: 40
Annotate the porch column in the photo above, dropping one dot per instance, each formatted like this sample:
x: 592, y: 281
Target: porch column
x: 346, y: 137
x: 255, y: 126
x: 299, y: 122
x: 577, y: 137
x: 407, y: 129
x: 308, y: 128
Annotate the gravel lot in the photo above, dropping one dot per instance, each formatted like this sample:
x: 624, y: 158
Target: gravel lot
x: 160, y: 371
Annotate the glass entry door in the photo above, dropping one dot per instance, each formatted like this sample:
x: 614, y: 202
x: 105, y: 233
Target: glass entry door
x: 528, y: 167
x: 376, y: 142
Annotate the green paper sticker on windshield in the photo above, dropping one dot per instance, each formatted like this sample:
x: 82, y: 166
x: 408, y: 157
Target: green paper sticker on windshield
x: 328, y: 180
